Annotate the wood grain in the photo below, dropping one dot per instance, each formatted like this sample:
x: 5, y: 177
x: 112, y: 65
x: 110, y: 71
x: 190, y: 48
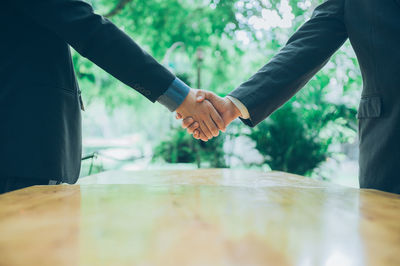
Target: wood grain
x: 203, y: 217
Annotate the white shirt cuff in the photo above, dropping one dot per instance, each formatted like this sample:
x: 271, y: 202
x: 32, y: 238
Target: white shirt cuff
x: 242, y: 108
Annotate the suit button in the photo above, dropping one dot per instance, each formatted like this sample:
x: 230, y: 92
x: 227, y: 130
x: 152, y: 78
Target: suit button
x: 147, y: 92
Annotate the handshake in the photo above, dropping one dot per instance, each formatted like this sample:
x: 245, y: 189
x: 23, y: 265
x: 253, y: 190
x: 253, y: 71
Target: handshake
x: 204, y: 114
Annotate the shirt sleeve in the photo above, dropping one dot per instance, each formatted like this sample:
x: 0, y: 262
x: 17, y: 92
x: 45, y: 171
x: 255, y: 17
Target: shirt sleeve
x: 174, y: 95
x: 244, y: 113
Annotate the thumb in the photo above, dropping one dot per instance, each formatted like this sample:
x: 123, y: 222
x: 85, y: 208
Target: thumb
x: 200, y: 96
x: 217, y: 101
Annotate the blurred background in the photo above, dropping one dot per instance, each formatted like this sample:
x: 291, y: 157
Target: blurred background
x: 216, y: 45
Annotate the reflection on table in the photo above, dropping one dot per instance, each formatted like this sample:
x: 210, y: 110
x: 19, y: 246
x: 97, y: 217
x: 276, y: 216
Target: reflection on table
x: 203, y: 217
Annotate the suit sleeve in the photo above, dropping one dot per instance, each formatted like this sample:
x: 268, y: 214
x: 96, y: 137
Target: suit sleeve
x: 306, y: 52
x: 99, y: 40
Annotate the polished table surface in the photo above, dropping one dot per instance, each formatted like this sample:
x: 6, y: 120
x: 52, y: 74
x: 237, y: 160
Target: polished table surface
x: 199, y: 217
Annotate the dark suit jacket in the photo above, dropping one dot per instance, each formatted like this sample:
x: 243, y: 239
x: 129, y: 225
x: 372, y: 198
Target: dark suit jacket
x: 373, y: 28
x: 40, y: 118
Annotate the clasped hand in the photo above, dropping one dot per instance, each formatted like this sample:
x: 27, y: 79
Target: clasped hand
x: 204, y: 114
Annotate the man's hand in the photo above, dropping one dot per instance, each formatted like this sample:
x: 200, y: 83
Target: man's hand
x: 224, y: 106
x: 203, y: 112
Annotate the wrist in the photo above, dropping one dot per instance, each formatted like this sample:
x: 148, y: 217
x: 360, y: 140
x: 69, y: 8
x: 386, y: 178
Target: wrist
x: 186, y: 101
x: 235, y: 112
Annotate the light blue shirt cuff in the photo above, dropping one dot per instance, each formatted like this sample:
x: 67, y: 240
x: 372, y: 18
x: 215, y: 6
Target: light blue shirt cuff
x: 174, y: 95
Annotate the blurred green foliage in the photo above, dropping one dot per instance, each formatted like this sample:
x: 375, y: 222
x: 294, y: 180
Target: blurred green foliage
x: 289, y: 143
x: 284, y: 142
x: 179, y: 147
x: 296, y: 138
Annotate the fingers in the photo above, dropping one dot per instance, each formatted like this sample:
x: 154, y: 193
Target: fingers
x: 200, y: 96
x: 196, y: 134
x: 210, y: 122
x: 216, y: 117
x: 205, y: 129
x: 212, y: 127
x: 187, y: 122
x: 192, y: 127
x: 178, y: 116
x: 203, y: 138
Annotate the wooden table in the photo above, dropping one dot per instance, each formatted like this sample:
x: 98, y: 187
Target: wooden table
x: 204, y: 217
